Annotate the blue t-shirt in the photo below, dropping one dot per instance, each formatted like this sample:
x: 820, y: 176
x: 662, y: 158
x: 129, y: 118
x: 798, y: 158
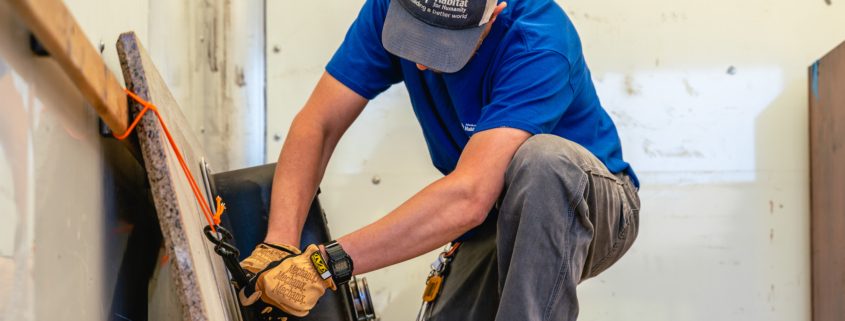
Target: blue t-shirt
x: 529, y: 73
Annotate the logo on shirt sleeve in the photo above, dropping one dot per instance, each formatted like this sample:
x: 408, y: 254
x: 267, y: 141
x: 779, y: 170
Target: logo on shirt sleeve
x: 468, y: 127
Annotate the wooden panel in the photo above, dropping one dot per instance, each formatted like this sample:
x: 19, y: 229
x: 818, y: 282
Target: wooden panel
x: 198, y: 274
x: 827, y: 161
x: 60, y: 34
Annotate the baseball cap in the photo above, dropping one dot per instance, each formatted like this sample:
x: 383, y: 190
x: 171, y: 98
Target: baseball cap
x: 439, y: 34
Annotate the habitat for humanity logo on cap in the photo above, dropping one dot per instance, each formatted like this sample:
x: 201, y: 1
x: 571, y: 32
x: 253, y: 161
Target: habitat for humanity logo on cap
x: 439, y: 34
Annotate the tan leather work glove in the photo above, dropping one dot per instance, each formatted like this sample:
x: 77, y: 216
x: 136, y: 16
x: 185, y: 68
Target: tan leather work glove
x: 266, y: 253
x: 293, y: 284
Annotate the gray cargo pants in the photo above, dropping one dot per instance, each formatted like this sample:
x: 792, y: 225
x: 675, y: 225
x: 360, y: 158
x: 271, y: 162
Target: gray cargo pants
x: 563, y: 218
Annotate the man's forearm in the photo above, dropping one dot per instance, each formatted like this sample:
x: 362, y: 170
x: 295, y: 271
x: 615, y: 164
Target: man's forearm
x: 433, y: 217
x: 301, y: 165
x: 310, y: 142
x: 442, y: 211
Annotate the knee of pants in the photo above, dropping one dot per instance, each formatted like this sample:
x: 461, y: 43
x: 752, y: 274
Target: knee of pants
x: 545, y: 156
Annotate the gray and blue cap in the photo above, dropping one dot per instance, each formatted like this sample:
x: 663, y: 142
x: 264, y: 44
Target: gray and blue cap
x: 439, y: 34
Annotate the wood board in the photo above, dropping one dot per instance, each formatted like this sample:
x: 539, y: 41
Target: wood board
x: 57, y: 30
x: 827, y: 185
x: 197, y: 274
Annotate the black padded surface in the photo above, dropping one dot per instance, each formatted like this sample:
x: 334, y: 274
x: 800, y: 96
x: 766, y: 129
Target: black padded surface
x: 246, y: 193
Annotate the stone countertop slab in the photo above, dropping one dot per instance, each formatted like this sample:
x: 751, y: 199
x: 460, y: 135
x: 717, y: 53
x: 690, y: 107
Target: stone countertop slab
x: 197, y: 274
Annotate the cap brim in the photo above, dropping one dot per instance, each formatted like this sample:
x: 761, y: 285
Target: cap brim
x: 440, y: 49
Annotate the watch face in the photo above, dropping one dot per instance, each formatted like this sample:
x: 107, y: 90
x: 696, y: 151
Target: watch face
x: 341, y: 266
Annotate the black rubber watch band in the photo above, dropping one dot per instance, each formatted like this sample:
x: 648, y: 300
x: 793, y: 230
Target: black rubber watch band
x: 339, y: 262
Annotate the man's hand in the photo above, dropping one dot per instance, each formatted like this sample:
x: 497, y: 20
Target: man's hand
x: 263, y: 255
x: 293, y: 284
x: 266, y: 253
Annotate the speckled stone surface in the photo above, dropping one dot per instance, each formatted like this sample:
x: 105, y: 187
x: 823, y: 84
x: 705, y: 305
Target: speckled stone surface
x: 197, y: 273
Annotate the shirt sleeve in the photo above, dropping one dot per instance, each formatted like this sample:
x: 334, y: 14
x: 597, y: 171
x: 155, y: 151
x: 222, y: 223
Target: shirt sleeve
x: 361, y: 63
x: 530, y: 91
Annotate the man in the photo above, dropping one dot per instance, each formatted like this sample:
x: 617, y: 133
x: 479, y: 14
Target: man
x: 535, y: 183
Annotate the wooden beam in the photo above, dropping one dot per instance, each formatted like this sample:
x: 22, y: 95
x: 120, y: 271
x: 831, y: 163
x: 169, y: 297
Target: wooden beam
x: 827, y: 185
x: 57, y: 30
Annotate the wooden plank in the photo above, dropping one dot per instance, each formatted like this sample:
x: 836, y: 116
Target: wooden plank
x: 827, y: 172
x: 197, y: 273
x: 57, y: 30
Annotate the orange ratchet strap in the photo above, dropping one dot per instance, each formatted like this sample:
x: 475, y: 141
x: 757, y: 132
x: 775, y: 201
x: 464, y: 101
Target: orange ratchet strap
x: 212, y: 219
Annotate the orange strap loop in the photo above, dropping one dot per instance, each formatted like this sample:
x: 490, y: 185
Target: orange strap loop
x: 212, y: 219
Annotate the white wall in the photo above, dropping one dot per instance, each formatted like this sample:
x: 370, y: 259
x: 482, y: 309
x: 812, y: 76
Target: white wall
x: 59, y: 246
x: 710, y: 98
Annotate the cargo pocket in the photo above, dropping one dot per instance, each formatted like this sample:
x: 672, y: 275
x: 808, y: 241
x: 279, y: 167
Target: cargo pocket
x: 626, y: 228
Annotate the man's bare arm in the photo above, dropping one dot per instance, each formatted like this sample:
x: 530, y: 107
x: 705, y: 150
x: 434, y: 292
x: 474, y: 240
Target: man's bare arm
x: 442, y: 211
x: 312, y: 137
x: 436, y: 215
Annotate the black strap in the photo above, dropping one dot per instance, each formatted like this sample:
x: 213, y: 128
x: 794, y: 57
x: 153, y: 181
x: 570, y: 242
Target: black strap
x: 228, y: 252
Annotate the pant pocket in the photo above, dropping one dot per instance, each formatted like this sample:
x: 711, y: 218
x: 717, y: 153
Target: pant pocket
x: 623, y: 221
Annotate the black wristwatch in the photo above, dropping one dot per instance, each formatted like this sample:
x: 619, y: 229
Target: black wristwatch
x: 340, y: 263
